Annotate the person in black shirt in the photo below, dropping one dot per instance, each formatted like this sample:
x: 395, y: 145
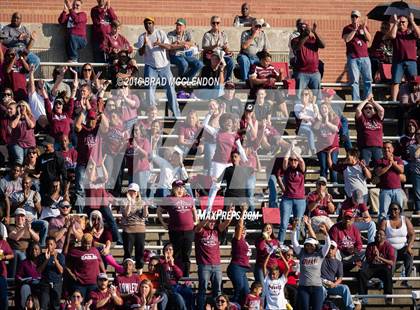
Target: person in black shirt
x: 229, y: 102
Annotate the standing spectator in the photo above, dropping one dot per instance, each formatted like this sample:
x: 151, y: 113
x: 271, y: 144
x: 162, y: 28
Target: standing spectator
x: 216, y: 41
x: 414, y: 167
x: 207, y: 253
x: 10, y: 184
x: 51, y: 267
x: 14, y: 69
x: 128, y: 283
x: 152, y: 45
x: 102, y: 16
x: 399, y: 231
x: 380, y: 52
x: 380, y: 258
x: 182, y: 218
x: 244, y: 20
x: 357, y: 37
x: 369, y: 125
x: 36, y: 100
x: 253, y: 41
x: 389, y: 169
x: 274, y: 286
x: 75, y: 21
x: 305, y: 48
x: 190, y: 133
x: 105, y: 296
x: 134, y: 215
x: 6, y: 254
x: 229, y: 102
x: 181, y: 48
x: 293, y: 199
x: 320, y: 205
x: 404, y: 53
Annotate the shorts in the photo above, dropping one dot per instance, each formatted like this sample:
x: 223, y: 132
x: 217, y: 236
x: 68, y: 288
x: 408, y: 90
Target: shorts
x: 407, y: 67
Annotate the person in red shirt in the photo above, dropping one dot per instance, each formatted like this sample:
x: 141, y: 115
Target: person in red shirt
x: 104, y: 297
x: 369, y: 125
x: 404, y: 54
x: 14, y: 70
x: 357, y: 37
x: 389, y: 169
x: 75, y: 21
x: 305, y: 47
x: 6, y: 254
x: 253, y: 300
x: 263, y: 74
x: 320, y: 205
x: 381, y: 49
x: 128, y: 283
x: 380, y: 258
x: 114, y: 42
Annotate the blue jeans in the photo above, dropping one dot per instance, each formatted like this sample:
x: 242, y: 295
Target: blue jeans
x: 250, y: 191
x: 322, y: 158
x: 17, y: 153
x: 371, y: 153
x: 188, y: 66
x: 237, y: 274
x: 209, y: 150
x: 356, y: 67
x: 184, y: 296
x: 309, y: 134
x: 42, y: 227
x: 33, y: 59
x: 310, y: 296
x: 311, y: 80
x: 370, y: 227
x: 208, y: 273
x: 386, y: 197
x: 245, y: 62
x: 230, y: 64
x: 272, y: 192
x: 142, y: 178
x: 258, y: 273
x: 74, y: 44
x: 79, y: 188
x: 287, y: 205
x: 407, y: 67
x: 163, y: 301
x: 4, y: 302
x: 415, y: 177
x: 20, y: 256
x: 343, y: 291
x: 164, y: 75
x: 344, y: 133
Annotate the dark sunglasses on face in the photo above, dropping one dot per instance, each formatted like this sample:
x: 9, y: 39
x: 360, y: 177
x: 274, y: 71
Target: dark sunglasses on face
x: 87, y: 69
x: 354, y: 16
x: 215, y: 23
x: 221, y: 301
x: 76, y: 296
x: 8, y: 94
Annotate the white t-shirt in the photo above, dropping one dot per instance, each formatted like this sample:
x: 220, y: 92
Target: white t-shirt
x: 36, y: 103
x: 354, y: 179
x: 154, y: 56
x: 273, y: 291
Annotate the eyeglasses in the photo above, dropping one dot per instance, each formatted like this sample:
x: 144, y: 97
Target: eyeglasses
x: 215, y: 23
x: 87, y: 69
x: 258, y: 26
x: 221, y: 301
x: 76, y: 296
x: 8, y: 94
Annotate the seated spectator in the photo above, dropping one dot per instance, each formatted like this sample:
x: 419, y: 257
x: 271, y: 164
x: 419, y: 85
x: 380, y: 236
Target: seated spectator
x: 148, y: 298
x: 320, y: 205
x: 29, y: 167
x: 36, y: 100
x: 380, y: 52
x: 414, y: 168
x: 223, y: 303
x: 183, y: 52
x: 90, y: 77
x: 102, y: 17
x: 104, y: 295
x: 357, y: 38
x: 10, y: 184
x: 253, y: 41
x: 332, y: 277
x: 229, y: 102
x: 214, y: 73
x: 75, y: 21
x: 349, y: 241
x: 114, y: 42
x: 190, y: 133
x: 399, y: 231
x: 254, y: 300
x: 152, y: 272
x: 262, y: 106
x: 128, y: 283
x: 20, y: 235
x: 369, y: 125
x: 17, y: 36
x: 51, y: 201
x: 409, y: 138
x: 123, y: 67
x: 262, y: 74
x: 389, y: 169
x: 404, y: 33
x: 380, y: 258
x: 57, y: 85
x: 362, y: 219
x: 14, y: 70
x: 216, y: 41
x: 152, y: 114
x: 76, y: 301
x: 7, y: 255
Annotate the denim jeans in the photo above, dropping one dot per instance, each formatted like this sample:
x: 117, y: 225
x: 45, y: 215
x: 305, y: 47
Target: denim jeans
x: 386, y: 197
x: 4, y: 301
x: 370, y: 227
x: 322, y: 158
x: 287, y: 206
x: 184, y: 296
x: 310, y: 296
x: 142, y: 179
x: 74, y: 44
x: 415, y: 177
x: 309, y: 134
x: 245, y: 62
x: 164, y: 75
x: 360, y: 67
x: 42, y: 227
x: 344, y: 133
x: 250, y: 191
x: 371, y: 153
x: 16, y: 153
x: 163, y: 301
x: 208, y: 273
x: 230, y: 64
x: 311, y: 80
x: 343, y: 291
x: 79, y: 187
x: 115, y: 167
x: 407, y: 67
x: 33, y: 59
x: 188, y: 66
x: 272, y: 192
x: 209, y: 150
x: 237, y: 274
x: 50, y: 296
x: 20, y: 256
x: 258, y: 273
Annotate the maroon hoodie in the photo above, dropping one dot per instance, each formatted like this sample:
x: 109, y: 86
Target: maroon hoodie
x: 75, y: 22
x: 101, y: 19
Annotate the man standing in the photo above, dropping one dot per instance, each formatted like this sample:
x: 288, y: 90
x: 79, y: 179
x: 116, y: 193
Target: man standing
x: 152, y: 45
x: 181, y: 53
x: 357, y: 36
x: 305, y: 47
x: 253, y: 41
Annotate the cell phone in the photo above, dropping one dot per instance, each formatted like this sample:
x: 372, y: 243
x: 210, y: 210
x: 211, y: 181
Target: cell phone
x: 99, y: 172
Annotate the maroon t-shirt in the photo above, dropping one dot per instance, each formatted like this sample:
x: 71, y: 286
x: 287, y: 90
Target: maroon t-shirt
x: 119, y: 42
x: 89, y: 144
x: 322, y: 206
x: 358, y: 209
x: 70, y: 158
x: 263, y: 248
x: 173, y: 273
x: 294, y: 183
x: 22, y: 135
x: 60, y: 123
x: 115, y: 136
x: 16, y: 80
x: 369, y: 131
x: 180, y: 213
x: 207, y: 249
x: 97, y: 296
x: 404, y: 46
x: 348, y: 240
x: 189, y: 133
x: 385, y: 250
x: 7, y: 250
x: 135, y: 163
x: 101, y: 22
x: 253, y: 302
x: 85, y: 265
x: 240, y: 252
x: 225, y: 144
x: 357, y: 47
x: 391, y: 178
x: 128, y: 284
x: 307, y: 56
x: 328, y: 139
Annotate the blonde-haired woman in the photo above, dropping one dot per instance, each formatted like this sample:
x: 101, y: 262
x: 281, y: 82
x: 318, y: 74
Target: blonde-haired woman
x: 147, y: 298
x: 134, y: 215
x: 22, y: 135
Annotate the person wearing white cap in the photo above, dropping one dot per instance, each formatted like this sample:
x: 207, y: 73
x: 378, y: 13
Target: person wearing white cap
x: 104, y: 296
x: 357, y: 37
x: 332, y: 276
x: 128, y: 282
x: 311, y: 256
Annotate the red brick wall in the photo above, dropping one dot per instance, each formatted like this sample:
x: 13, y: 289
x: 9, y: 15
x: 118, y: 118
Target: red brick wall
x: 331, y: 16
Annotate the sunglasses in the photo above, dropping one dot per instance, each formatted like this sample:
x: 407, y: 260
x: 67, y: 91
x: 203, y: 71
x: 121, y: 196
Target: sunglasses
x: 64, y: 207
x: 322, y: 183
x: 354, y: 16
x: 76, y: 296
x: 258, y: 26
x: 87, y: 69
x: 215, y: 23
x: 32, y: 153
x: 221, y: 301
x: 8, y: 94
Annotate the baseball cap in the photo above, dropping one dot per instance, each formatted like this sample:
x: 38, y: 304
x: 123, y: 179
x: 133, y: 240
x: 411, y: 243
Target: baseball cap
x: 333, y: 243
x: 48, y: 140
x: 249, y: 107
x: 357, y: 196
x: 134, y: 187
x: 322, y: 179
x: 102, y: 276
x: 258, y: 22
x: 128, y: 260
x: 181, y: 21
x: 177, y: 183
x: 20, y: 211
x: 328, y: 92
x: 149, y: 18
x: 348, y: 213
x: 311, y: 241
x: 355, y: 12
x: 91, y: 114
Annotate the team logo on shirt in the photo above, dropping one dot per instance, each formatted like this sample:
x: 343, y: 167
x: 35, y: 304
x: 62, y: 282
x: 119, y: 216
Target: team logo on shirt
x: 89, y: 257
